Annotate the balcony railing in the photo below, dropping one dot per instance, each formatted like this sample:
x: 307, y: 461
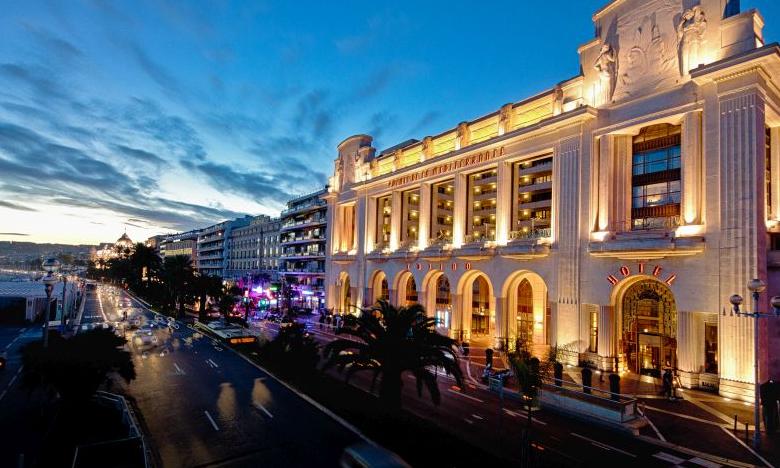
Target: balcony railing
x: 530, y: 234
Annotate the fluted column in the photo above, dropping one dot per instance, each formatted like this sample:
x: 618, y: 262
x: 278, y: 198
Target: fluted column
x: 501, y: 323
x: 395, y: 220
x: 686, y: 354
x: 424, y: 222
x: 504, y: 203
x: 371, y: 225
x: 691, y: 168
x: 456, y: 323
x: 621, y: 190
x: 606, y: 331
x: 742, y: 243
x: 459, y: 211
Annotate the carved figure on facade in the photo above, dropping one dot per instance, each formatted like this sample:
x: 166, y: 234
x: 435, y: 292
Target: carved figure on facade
x: 427, y: 147
x: 690, y: 37
x: 557, y: 100
x: 463, y: 135
x: 605, y: 66
x: 505, y: 118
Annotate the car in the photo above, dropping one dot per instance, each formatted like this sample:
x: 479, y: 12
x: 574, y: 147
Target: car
x: 370, y: 456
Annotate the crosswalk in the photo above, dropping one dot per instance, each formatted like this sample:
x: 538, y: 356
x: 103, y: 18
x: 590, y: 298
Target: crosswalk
x: 674, y: 460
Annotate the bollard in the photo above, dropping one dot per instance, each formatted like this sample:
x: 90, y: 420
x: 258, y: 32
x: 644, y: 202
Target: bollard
x: 558, y: 373
x: 587, y: 376
x: 614, y: 386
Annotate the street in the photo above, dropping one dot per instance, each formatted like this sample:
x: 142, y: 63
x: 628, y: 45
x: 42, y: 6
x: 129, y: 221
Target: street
x: 203, y: 405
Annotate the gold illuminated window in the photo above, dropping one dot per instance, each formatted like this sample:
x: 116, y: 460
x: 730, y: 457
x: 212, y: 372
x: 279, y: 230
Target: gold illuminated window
x: 442, y: 210
x: 655, y: 177
x: 410, y: 216
x: 482, y: 189
x: 384, y: 211
x: 532, y: 196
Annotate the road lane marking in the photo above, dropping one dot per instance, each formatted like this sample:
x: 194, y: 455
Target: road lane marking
x: 8, y: 387
x: 211, y: 420
x: 263, y: 409
x: 178, y: 369
x: 521, y: 415
x: 476, y: 416
x: 212, y: 363
x: 668, y: 458
x: 657, y: 432
x: 602, y: 445
x: 466, y: 396
x: 468, y: 420
x: 749, y: 448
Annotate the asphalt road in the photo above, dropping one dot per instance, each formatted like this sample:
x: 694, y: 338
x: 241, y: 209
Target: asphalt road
x: 203, y: 405
x: 487, y: 420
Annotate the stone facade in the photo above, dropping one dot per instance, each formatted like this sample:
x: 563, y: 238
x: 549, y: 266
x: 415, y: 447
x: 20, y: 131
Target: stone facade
x: 612, y: 215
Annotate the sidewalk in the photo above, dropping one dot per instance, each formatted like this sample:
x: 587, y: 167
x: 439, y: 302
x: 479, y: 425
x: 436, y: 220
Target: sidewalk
x: 696, y: 419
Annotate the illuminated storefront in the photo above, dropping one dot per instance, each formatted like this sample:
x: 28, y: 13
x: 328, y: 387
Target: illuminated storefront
x: 613, y: 214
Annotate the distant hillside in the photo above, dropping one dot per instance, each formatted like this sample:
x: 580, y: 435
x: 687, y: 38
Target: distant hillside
x: 15, y: 253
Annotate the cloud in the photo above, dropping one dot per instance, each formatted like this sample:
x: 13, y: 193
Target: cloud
x: 141, y: 155
x: 15, y: 234
x: 14, y: 206
x: 157, y: 73
x: 424, y: 122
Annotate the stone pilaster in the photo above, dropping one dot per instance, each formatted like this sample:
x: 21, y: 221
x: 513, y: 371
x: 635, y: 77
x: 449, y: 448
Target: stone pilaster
x: 691, y: 169
x: 459, y: 210
x: 504, y: 203
x: 424, y: 227
x: 742, y: 234
x: 606, y: 331
x: 501, y: 335
x: 605, y: 176
x: 775, y: 164
x: 456, y: 323
x: 621, y: 189
x: 395, y: 220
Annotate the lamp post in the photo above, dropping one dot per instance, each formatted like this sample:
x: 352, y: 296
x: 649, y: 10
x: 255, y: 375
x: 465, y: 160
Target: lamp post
x: 756, y: 287
x: 50, y: 266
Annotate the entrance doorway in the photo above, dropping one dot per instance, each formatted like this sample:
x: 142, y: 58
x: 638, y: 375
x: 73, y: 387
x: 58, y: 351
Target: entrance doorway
x: 649, y: 328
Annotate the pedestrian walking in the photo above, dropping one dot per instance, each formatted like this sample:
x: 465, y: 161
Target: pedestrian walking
x: 667, y: 384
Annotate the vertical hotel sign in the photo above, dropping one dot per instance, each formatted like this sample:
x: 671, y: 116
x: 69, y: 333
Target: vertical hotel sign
x: 444, y: 168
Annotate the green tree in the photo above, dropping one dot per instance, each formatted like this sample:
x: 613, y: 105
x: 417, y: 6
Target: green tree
x: 178, y: 275
x: 390, y: 342
x: 226, y: 304
x: 76, y: 367
x: 143, y: 260
x: 293, y: 351
x: 204, y: 287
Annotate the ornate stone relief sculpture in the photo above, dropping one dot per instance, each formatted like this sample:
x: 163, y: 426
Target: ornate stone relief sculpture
x: 690, y: 37
x: 605, y: 66
x: 464, y: 135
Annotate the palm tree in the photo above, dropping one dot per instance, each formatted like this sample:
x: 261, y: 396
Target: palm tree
x: 205, y: 286
x: 393, y: 341
x: 144, y: 260
x: 178, y: 273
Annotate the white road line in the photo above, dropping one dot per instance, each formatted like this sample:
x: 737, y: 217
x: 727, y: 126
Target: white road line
x: 468, y: 420
x: 466, y: 396
x: 704, y: 463
x: 750, y: 449
x: 668, y: 458
x: 211, y: 420
x: 263, y: 409
x: 13, y: 379
x: 657, y: 432
x: 212, y: 363
x: 178, y: 369
x: 521, y: 415
x: 476, y: 416
x: 602, y: 445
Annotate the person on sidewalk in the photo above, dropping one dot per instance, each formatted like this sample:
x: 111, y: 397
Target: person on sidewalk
x: 667, y: 383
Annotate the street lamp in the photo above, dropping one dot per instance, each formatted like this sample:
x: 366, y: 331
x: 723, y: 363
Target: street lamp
x: 756, y: 287
x: 50, y: 266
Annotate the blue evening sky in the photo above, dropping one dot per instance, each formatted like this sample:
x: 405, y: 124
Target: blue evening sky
x: 162, y: 115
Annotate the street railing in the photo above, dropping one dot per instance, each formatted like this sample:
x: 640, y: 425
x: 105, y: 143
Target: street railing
x: 599, y: 403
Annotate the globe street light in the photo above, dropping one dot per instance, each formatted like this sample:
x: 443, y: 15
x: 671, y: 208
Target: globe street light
x: 50, y: 266
x: 756, y: 287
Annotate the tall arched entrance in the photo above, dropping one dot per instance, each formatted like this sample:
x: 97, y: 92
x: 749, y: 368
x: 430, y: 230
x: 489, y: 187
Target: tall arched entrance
x: 345, y: 294
x: 379, y: 287
x: 478, y: 308
x: 648, y: 325
x: 438, y: 298
x: 528, y: 315
x: 405, y: 289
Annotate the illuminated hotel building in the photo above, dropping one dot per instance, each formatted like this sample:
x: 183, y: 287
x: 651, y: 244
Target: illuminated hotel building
x: 613, y: 214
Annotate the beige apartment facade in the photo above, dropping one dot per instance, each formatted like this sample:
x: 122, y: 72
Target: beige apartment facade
x: 613, y: 214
